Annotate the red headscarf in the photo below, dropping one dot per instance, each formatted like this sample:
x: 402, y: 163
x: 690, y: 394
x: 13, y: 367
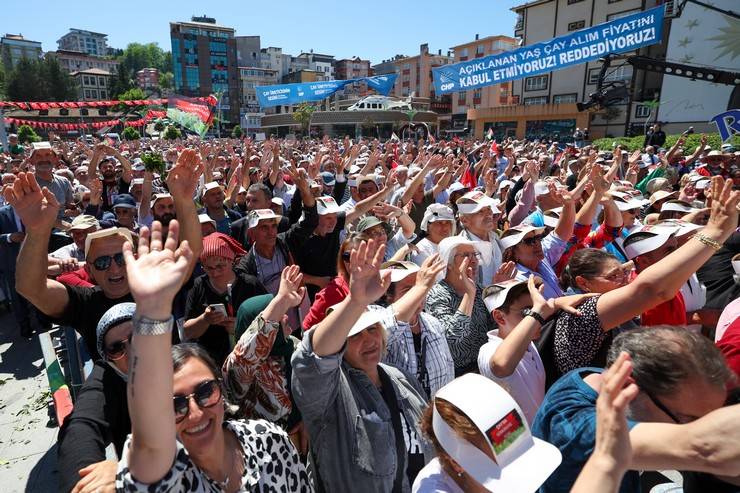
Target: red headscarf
x: 221, y: 245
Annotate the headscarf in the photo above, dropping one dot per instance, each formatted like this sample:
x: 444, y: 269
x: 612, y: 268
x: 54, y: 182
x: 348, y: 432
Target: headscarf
x: 221, y: 245
x: 116, y: 315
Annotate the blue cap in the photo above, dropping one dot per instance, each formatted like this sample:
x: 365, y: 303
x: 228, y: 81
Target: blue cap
x: 116, y: 315
x: 124, y: 200
x: 328, y: 178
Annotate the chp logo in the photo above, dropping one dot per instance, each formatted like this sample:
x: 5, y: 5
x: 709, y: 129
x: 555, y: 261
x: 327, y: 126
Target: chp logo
x: 447, y: 86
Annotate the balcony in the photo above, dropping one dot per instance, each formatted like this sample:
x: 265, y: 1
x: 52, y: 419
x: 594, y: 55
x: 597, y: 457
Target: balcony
x: 519, y: 26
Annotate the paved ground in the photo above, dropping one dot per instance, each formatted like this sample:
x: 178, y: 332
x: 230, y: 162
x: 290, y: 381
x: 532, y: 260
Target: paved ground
x: 27, y: 439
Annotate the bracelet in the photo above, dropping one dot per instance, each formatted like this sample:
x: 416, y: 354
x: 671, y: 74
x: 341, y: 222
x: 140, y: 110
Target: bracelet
x: 147, y: 327
x: 531, y: 313
x: 708, y: 241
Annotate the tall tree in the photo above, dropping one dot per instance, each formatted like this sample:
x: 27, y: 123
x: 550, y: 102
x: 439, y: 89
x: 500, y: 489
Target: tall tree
x: 39, y: 80
x: 121, y: 83
x: 61, y: 86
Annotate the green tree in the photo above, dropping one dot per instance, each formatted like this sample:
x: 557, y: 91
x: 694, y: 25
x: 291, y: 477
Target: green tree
x: 39, y: 80
x: 172, y: 133
x: 132, y: 94
x: 26, y: 134
x: 159, y: 126
x: 166, y: 80
x: 130, y: 133
x: 237, y: 132
x: 137, y: 56
x: 302, y: 114
x: 121, y: 83
x: 2, y: 79
x: 60, y: 84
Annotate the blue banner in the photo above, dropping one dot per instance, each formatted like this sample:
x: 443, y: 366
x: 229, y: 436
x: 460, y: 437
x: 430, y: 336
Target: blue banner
x: 728, y: 124
x: 618, y: 36
x: 287, y: 94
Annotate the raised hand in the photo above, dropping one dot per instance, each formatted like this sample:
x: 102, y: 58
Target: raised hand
x: 159, y: 270
x: 724, y: 205
x: 291, y: 291
x: 183, y: 177
x: 467, y: 276
x: 547, y: 308
x: 430, y: 270
x: 37, y: 207
x: 366, y: 284
x: 505, y: 272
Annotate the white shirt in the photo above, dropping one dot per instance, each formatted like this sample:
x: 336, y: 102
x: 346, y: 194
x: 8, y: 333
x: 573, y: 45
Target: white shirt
x: 526, y: 385
x: 433, y: 479
x: 426, y: 249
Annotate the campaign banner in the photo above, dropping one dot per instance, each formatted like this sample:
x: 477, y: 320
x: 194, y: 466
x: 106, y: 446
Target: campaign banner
x: 287, y: 94
x: 193, y: 114
x: 618, y: 36
x: 728, y: 124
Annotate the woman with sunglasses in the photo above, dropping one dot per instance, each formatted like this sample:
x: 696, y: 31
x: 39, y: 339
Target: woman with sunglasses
x: 100, y: 415
x: 210, y: 310
x: 180, y: 440
x: 338, y: 288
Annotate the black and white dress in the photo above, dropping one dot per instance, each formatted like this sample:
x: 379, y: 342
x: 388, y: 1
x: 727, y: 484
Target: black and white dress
x: 271, y: 464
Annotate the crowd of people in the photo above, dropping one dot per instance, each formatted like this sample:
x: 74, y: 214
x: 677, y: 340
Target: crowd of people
x: 399, y: 316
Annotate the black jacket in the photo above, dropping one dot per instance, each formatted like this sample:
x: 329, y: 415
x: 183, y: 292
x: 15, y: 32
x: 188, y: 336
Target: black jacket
x: 100, y: 417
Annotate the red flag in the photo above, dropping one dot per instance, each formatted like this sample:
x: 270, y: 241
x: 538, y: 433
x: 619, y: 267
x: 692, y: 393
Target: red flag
x: 468, y: 178
x: 494, y: 148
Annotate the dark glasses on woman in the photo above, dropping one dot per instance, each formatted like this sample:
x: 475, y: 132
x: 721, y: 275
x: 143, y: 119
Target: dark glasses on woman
x: 206, y: 394
x: 103, y: 263
x: 118, y: 349
x: 532, y: 240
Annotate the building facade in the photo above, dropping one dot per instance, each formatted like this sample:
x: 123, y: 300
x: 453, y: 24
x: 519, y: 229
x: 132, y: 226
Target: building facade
x: 248, y: 51
x: 204, y: 62
x: 14, y: 47
x: 545, y: 105
x: 92, y: 43
x: 147, y: 78
x: 73, y: 61
x: 250, y: 112
x: 485, y: 97
x: 92, y: 84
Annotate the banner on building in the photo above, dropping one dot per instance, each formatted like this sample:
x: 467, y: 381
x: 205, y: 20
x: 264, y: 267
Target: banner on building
x: 287, y: 94
x: 618, y: 36
x: 728, y: 124
x: 193, y: 114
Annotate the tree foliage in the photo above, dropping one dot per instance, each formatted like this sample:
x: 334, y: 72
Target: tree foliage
x: 132, y: 94
x: 166, y: 80
x: 302, y: 114
x: 172, y: 133
x: 137, y: 56
x: 130, y: 133
x: 121, y: 83
x: 159, y: 126
x: 27, y: 134
x: 692, y: 142
x: 237, y: 132
x: 39, y: 80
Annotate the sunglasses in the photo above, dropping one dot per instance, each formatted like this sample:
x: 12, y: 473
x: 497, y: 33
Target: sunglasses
x: 346, y: 256
x: 663, y: 408
x: 118, y: 349
x: 103, y: 263
x: 470, y: 255
x: 207, y: 394
x: 532, y: 240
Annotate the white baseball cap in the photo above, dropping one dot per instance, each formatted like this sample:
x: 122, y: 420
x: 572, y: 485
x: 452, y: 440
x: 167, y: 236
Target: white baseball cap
x: 366, y: 320
x: 648, y: 238
x: 258, y: 215
x: 399, y: 269
x: 326, y: 205
x: 514, y: 236
x: 437, y: 212
x: 522, y: 462
x: 626, y: 202
x: 677, y: 206
x: 552, y: 217
x: 479, y: 201
x: 541, y: 188
x: 206, y: 219
x: 448, y: 246
x: 209, y: 186
x: 498, y: 292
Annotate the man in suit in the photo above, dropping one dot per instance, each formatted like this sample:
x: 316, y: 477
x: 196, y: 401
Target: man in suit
x: 12, y: 234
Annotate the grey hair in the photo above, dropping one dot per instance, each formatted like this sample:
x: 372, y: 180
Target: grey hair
x: 664, y: 357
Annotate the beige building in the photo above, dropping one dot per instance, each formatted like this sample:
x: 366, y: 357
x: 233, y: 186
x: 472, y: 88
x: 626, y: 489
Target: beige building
x: 92, y: 84
x: 415, y: 73
x: 485, y: 97
x: 556, y: 93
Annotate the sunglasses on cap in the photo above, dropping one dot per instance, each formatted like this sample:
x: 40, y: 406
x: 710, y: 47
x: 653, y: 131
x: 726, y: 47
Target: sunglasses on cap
x: 118, y: 349
x: 533, y: 239
x: 104, y: 262
x: 206, y: 394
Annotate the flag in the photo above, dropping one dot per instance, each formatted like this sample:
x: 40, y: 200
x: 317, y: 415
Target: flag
x: 193, y: 114
x: 494, y: 148
x: 394, y: 137
x: 489, y: 135
x: 468, y: 178
x: 558, y: 157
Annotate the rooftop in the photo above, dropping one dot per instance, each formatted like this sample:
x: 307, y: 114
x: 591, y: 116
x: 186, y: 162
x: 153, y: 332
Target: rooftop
x: 501, y: 37
x: 206, y: 25
x: 92, y: 71
x: 517, y: 8
x: 84, y: 31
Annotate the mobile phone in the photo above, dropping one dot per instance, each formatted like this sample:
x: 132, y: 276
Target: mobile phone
x: 688, y: 131
x: 219, y: 307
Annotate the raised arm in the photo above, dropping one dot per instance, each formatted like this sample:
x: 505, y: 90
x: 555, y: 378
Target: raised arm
x: 364, y: 206
x: 37, y: 209
x: 155, y: 278
x: 146, y: 195
x: 407, y: 305
x: 365, y: 286
x: 661, y: 281
x: 181, y: 182
x: 419, y: 178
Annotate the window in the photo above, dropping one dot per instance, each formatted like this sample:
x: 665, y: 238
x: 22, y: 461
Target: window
x: 101, y: 81
x: 85, y: 80
x: 623, y: 72
x: 536, y: 100
x: 614, y: 1
x: 571, y: 2
x: 480, y: 49
x: 537, y: 83
x: 87, y: 94
x: 642, y: 111
x: 618, y: 15
x: 103, y: 94
x: 464, y: 53
x: 477, y: 94
x: 574, y: 26
x: 593, y: 75
x: 461, y: 98
x: 564, y: 98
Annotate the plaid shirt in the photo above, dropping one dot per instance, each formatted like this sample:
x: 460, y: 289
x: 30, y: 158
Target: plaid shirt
x: 400, y: 351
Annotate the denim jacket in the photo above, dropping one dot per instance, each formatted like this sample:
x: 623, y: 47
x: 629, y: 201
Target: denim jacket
x: 352, y: 439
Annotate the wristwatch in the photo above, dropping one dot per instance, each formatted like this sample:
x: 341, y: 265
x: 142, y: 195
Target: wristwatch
x: 148, y: 327
x: 528, y: 312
